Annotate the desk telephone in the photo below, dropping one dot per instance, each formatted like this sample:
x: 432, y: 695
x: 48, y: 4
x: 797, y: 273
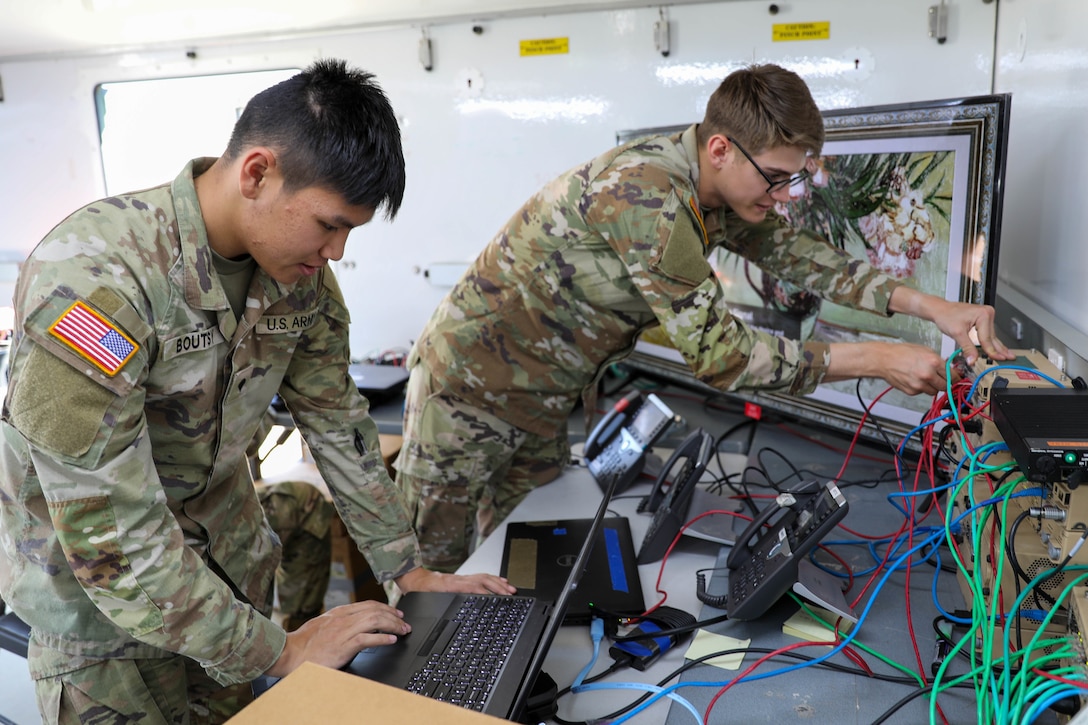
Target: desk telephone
x: 617, y: 446
x: 670, y: 499
x: 761, y: 571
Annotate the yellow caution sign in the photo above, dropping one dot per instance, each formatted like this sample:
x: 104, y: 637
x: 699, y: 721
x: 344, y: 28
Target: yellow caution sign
x: 545, y: 46
x: 800, y: 31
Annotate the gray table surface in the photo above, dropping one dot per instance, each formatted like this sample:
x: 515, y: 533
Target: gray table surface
x: 809, y: 694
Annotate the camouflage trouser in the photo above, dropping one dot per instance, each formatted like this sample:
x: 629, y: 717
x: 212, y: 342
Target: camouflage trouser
x: 173, y: 690
x: 300, y: 515
x: 462, y: 471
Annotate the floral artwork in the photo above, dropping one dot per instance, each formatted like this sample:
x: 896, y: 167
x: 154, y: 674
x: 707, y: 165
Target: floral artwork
x: 898, y: 236
x: 887, y: 203
x: 893, y: 210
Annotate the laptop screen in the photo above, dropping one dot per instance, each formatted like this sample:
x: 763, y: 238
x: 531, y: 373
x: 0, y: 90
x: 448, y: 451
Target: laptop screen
x: 563, y: 601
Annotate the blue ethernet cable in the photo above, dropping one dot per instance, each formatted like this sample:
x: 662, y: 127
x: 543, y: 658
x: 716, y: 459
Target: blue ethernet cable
x: 850, y: 636
x: 1018, y: 368
x: 596, y: 633
x: 645, y: 687
x: 596, y: 630
x: 1040, y: 706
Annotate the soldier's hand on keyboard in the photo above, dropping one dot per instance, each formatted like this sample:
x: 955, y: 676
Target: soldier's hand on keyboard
x: 425, y: 580
x: 336, y: 636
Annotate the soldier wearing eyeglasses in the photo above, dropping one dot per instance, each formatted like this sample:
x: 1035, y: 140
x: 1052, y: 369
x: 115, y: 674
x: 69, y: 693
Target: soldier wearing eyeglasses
x: 614, y: 247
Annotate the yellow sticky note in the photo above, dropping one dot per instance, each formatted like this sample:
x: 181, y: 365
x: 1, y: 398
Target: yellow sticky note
x: 706, y: 643
x: 804, y: 627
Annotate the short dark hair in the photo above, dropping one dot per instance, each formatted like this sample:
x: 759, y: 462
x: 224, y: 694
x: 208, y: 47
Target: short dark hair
x: 331, y: 126
x: 764, y: 107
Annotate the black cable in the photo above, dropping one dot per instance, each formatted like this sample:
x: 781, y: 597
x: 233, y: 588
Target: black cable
x: 795, y: 472
x: 667, y: 632
x: 930, y: 553
x: 1014, y: 561
x: 745, y: 494
x: 689, y: 664
x: 1011, y: 555
x: 752, y: 424
x: 612, y: 669
x: 942, y: 443
x: 899, y: 705
x: 1065, y: 562
x: 748, y: 423
x: 804, y: 474
x: 964, y: 653
x: 876, y: 422
x: 880, y: 429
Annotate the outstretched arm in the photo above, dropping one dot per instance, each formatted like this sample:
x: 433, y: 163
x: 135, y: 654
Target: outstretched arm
x: 425, y: 580
x: 913, y: 369
x: 955, y: 319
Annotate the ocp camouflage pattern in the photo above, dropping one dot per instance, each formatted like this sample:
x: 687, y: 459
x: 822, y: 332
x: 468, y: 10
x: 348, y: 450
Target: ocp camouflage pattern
x: 611, y: 248
x: 129, y: 526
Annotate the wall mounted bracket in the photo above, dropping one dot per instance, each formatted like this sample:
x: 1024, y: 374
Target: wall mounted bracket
x: 938, y: 22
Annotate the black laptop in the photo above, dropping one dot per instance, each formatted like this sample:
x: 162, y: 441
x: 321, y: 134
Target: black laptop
x: 537, y: 557
x: 445, y: 629
x: 378, y: 383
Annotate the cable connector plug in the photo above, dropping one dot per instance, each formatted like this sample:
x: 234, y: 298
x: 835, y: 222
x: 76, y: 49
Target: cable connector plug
x: 643, y: 646
x: 973, y: 426
x: 596, y: 630
x: 596, y: 634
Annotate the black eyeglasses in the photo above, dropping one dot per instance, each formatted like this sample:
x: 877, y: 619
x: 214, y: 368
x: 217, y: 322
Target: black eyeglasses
x: 772, y: 185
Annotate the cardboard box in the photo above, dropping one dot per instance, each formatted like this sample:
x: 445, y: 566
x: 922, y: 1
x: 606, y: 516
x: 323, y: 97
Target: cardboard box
x: 316, y: 694
x: 350, y: 578
x: 388, y: 442
x: 390, y: 445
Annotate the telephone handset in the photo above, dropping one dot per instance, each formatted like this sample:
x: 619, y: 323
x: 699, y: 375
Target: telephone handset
x: 763, y: 570
x: 617, y: 446
x: 670, y: 499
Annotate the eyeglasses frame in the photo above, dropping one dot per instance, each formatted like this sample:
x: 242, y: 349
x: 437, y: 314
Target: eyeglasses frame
x: 772, y: 185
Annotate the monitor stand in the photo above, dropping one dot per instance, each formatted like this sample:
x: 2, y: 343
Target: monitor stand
x: 719, y: 528
x: 822, y: 589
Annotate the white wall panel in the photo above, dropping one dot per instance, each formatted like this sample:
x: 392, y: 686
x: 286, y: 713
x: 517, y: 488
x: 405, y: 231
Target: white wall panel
x: 475, y: 155
x: 1043, y: 61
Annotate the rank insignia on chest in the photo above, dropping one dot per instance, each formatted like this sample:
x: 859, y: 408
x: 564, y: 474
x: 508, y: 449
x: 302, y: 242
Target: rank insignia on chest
x: 94, y: 338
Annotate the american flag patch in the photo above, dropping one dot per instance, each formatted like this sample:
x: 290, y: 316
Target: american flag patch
x: 94, y: 338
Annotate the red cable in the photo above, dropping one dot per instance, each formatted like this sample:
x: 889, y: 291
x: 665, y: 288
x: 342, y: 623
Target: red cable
x: 680, y: 533
x: 757, y: 663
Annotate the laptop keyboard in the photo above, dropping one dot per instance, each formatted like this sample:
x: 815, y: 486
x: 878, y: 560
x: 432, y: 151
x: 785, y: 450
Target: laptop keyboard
x: 465, y: 672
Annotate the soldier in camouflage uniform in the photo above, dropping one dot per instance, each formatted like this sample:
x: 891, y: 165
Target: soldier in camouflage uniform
x: 299, y: 514
x: 152, y: 331
x: 301, y: 517
x: 609, y: 249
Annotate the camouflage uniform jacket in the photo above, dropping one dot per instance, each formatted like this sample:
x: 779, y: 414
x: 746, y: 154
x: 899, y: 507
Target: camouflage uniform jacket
x: 611, y: 248
x: 129, y: 524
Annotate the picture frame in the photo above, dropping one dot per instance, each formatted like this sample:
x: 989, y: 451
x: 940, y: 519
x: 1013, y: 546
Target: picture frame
x: 914, y: 189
